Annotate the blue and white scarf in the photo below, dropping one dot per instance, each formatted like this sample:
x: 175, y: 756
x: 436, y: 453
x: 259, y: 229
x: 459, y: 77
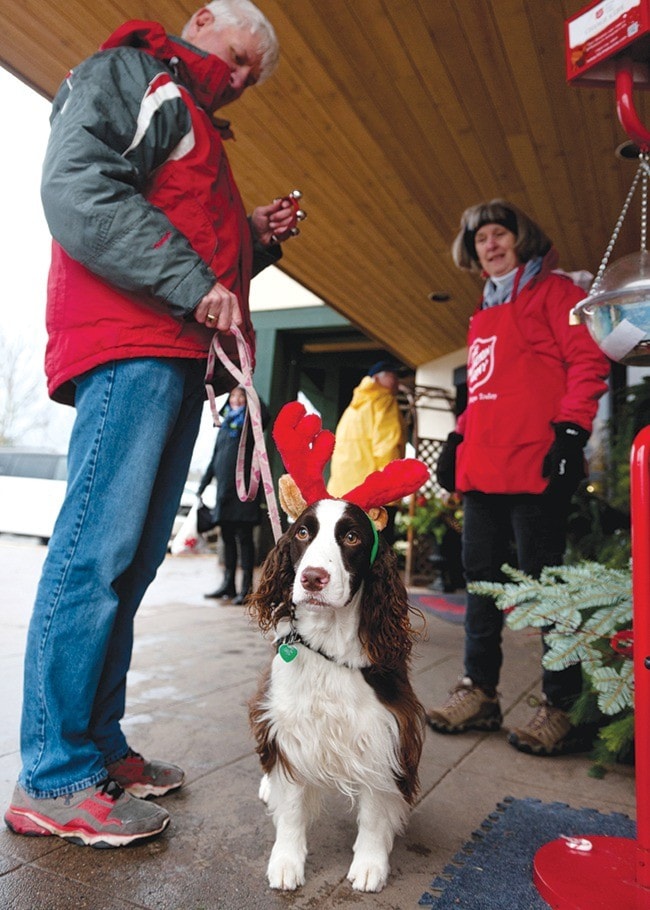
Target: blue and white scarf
x: 233, y: 418
x: 499, y: 290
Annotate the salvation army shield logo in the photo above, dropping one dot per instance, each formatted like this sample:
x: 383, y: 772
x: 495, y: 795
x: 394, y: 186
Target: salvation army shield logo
x: 480, y: 362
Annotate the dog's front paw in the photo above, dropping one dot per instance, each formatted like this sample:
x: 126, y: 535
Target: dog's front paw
x: 286, y: 873
x: 368, y: 873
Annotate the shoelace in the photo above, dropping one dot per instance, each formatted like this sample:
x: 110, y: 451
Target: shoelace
x: 543, y: 718
x: 458, y: 695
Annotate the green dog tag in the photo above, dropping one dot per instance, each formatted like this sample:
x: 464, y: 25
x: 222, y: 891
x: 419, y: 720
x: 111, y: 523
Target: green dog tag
x: 287, y: 652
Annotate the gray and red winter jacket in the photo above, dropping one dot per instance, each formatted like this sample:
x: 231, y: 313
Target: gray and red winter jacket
x: 142, y: 206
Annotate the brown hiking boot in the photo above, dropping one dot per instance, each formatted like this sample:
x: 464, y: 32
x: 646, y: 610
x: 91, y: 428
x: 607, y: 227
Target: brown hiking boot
x: 467, y: 708
x: 550, y: 732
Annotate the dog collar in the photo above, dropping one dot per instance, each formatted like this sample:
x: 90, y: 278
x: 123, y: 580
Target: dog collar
x: 286, y: 648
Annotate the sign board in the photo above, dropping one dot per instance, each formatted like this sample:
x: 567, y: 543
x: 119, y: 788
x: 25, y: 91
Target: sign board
x: 602, y: 31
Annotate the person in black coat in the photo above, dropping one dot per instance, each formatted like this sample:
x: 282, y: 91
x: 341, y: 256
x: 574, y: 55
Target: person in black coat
x: 235, y: 518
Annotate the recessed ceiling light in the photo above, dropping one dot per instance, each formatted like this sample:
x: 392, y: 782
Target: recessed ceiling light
x: 628, y: 150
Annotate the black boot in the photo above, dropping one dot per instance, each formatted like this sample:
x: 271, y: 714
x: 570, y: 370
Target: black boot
x: 246, y: 588
x: 227, y: 588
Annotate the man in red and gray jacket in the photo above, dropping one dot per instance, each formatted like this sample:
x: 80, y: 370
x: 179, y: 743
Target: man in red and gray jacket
x: 152, y: 253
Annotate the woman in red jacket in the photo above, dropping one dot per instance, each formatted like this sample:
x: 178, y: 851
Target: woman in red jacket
x: 533, y: 383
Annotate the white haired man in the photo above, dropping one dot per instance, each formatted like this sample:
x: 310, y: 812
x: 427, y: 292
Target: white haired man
x: 152, y: 253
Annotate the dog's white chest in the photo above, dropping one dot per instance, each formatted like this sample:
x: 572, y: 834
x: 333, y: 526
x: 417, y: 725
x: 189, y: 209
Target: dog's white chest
x: 330, y: 725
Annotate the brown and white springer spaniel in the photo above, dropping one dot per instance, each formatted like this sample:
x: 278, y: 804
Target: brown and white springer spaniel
x: 335, y: 709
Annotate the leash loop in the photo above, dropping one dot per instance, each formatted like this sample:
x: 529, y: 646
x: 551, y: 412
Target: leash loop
x: 260, y: 468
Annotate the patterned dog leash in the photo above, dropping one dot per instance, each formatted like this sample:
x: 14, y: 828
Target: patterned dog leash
x: 260, y: 467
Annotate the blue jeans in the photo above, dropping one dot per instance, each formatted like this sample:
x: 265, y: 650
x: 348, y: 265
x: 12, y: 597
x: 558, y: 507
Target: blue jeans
x: 524, y: 530
x: 130, y: 451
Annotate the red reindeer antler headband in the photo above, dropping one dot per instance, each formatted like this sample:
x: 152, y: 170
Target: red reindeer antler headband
x: 306, y: 448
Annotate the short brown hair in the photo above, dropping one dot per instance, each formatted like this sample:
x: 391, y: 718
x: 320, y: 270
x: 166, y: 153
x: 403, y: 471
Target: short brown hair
x: 531, y: 239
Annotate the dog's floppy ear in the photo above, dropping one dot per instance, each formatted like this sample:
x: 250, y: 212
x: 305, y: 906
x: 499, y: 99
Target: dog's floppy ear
x: 385, y: 628
x: 271, y: 602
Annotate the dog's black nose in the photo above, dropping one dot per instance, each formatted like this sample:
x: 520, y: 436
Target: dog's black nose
x: 314, y: 579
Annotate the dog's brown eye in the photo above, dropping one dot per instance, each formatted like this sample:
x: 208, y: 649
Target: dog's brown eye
x: 352, y: 538
x: 302, y: 533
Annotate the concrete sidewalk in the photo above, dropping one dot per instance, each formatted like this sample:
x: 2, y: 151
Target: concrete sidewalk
x: 196, y: 665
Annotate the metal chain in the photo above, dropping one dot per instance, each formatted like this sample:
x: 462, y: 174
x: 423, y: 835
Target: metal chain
x: 643, y: 170
x: 643, y: 157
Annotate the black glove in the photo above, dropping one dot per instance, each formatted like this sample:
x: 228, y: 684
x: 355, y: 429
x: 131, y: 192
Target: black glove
x: 564, y: 463
x: 446, y: 467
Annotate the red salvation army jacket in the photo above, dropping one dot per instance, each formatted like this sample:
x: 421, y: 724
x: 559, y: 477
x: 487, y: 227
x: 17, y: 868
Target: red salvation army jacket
x: 527, y: 368
x: 142, y: 206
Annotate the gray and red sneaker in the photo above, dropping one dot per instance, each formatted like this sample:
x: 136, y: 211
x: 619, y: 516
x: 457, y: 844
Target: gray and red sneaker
x: 99, y: 816
x: 145, y: 778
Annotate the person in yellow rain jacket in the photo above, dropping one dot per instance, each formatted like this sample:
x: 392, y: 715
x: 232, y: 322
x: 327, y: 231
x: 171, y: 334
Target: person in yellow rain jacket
x: 370, y: 433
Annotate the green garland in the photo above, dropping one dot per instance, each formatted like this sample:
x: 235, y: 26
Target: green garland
x: 581, y: 608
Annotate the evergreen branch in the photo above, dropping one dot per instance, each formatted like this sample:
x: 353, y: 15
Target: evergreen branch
x: 579, y: 607
x: 615, y: 689
x: 616, y: 736
x: 565, y: 650
x: 610, y: 618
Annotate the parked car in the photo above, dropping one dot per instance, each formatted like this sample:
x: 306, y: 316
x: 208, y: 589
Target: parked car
x: 188, y: 499
x: 32, y: 487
